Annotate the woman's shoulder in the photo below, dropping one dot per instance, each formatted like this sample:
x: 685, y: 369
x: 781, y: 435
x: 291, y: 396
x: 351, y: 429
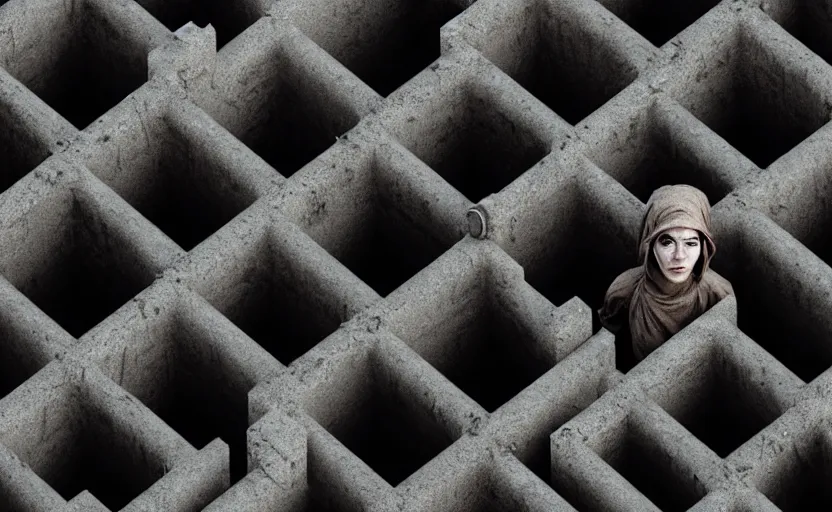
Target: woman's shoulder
x: 717, y: 286
x: 617, y: 299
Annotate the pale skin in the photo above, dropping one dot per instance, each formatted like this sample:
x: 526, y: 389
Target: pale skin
x: 676, y: 251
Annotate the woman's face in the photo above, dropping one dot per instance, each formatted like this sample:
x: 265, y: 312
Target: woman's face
x: 676, y: 251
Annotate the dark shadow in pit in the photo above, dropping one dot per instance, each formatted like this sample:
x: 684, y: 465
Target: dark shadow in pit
x: 660, y: 159
x: 662, y: 165
x: 9, y: 501
x: 21, y: 149
x: 538, y: 457
x: 391, y: 440
x: 769, y: 313
x: 185, y: 192
x: 189, y: 210
x: 390, y: 43
x: 798, y: 345
x: 811, y: 230
x: 229, y: 18
x: 658, y: 21
x: 392, y: 434
x: 93, y: 274
x: 296, y: 120
x: 199, y: 394
x: 387, y: 243
x: 649, y: 470
x: 376, y: 223
x: 320, y: 495
x: 804, y: 480
x: 755, y: 102
x: 493, y: 362
x: 104, y: 460
x: 718, y: 403
x: 481, y: 348
x: 722, y: 417
x: 98, y: 67
x: 811, y: 23
x: 276, y: 309
x: 202, y: 406
x: 581, y: 255
x: 478, y: 148
x: 18, y: 361
x: 560, y: 63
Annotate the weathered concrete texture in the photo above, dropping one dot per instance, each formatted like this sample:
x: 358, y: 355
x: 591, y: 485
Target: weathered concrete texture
x: 243, y: 280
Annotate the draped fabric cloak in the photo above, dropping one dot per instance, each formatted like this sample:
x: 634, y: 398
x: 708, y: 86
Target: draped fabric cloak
x: 642, y: 299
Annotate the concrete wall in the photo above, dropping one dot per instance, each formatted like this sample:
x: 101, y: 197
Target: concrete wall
x: 237, y: 274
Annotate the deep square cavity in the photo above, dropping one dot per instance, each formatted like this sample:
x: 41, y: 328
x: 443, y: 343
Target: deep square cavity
x: 718, y: 402
x: 659, y: 157
x: 88, y: 273
x: 320, y: 492
x: 474, y: 146
x: 271, y: 304
x: 93, y: 452
x: 382, y: 43
x: 567, y: 257
x: 82, y: 65
x: 755, y: 100
x: 18, y: 360
x: 193, y: 387
x: 779, y: 322
x: 811, y: 23
x: 229, y: 19
x: 803, y: 476
x: 369, y: 413
x: 378, y: 228
x: 651, y: 471
x: 179, y: 186
x: 560, y: 62
x: 484, y: 493
x: 291, y: 117
x: 481, y: 349
x: 658, y: 21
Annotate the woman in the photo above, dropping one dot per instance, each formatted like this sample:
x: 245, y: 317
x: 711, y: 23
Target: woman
x: 674, y: 284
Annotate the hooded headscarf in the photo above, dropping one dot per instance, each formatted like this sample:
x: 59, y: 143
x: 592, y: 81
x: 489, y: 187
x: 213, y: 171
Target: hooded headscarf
x: 654, y: 307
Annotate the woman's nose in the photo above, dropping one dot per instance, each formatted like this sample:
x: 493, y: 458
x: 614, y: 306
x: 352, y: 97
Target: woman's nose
x: 680, y: 253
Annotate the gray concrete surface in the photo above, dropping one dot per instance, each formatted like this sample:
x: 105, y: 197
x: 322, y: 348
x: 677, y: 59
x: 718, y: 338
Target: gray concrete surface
x: 236, y: 272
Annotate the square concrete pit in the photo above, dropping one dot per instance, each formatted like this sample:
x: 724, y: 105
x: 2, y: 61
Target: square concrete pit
x: 236, y: 272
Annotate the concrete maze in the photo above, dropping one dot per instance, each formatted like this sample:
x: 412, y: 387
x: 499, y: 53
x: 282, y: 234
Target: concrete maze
x: 244, y: 279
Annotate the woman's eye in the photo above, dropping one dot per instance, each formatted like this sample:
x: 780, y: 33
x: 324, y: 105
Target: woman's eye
x: 666, y: 241
x: 693, y: 244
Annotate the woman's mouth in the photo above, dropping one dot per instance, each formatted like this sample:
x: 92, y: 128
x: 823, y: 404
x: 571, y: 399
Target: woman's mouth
x: 679, y: 270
